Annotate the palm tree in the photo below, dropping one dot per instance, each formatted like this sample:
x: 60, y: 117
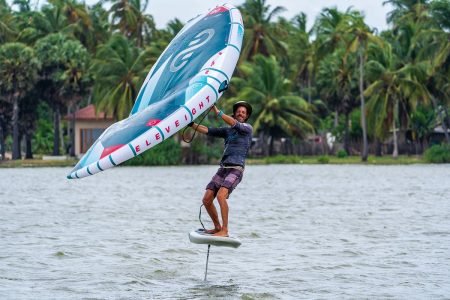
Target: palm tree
x: 422, y: 43
x: 394, y: 92
x: 359, y: 36
x: 100, y: 27
x: 119, y: 71
x: 78, y: 17
x: 435, y: 48
x: 329, y: 38
x: 326, y: 28
x: 5, y: 118
x: 440, y: 12
x: 18, y: 74
x: 57, y: 53
x: 336, y: 83
x: 277, y: 112
x: 422, y: 123
x: 7, y: 23
x: 76, y: 84
x: 401, y: 8
x: 302, y: 53
x: 129, y: 18
x: 261, y: 35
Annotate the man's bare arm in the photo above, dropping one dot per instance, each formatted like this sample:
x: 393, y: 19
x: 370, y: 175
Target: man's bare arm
x: 226, y: 118
x: 199, y: 128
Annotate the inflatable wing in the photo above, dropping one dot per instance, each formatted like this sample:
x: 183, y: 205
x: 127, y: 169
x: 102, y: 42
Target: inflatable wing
x: 182, y: 84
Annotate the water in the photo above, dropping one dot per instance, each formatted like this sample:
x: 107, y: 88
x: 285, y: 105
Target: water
x: 308, y: 232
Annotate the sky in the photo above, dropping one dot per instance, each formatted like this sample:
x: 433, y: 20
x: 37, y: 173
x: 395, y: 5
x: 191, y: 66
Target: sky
x: 165, y: 10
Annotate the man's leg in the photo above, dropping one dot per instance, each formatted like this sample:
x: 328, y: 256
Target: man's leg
x: 208, y: 199
x: 222, y: 196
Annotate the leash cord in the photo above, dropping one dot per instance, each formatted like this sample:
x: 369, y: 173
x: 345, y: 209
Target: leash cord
x: 195, y: 130
x: 200, y: 217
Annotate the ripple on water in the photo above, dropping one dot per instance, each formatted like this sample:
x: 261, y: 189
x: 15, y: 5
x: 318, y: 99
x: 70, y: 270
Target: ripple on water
x: 307, y: 232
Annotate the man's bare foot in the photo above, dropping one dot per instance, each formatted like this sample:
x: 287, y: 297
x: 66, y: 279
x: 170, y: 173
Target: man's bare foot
x: 221, y: 233
x: 212, y: 231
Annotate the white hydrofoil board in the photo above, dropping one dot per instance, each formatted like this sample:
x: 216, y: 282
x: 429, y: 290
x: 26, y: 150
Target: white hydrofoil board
x: 199, y: 236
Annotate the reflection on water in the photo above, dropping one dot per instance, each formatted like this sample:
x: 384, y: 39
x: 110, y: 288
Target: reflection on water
x: 307, y: 232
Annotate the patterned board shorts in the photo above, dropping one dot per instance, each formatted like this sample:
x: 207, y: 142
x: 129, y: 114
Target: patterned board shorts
x: 225, y: 177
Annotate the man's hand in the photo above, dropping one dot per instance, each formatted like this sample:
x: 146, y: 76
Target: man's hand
x: 216, y: 110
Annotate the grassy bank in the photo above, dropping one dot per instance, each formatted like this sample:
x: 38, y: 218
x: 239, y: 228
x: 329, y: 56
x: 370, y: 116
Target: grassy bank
x: 33, y: 163
x: 372, y: 160
x: 279, y: 159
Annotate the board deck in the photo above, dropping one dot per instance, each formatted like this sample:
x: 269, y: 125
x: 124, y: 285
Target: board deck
x: 200, y: 237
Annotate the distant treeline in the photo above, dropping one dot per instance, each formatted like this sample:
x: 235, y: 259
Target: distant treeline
x: 338, y: 81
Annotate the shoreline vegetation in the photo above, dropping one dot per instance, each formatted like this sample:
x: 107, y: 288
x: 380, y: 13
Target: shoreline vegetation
x: 69, y: 70
x: 278, y: 159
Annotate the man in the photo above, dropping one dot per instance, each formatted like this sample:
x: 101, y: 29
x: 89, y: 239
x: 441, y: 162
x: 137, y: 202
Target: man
x: 238, y: 139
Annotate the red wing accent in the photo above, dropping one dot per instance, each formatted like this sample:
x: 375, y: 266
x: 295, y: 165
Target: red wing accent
x: 109, y: 150
x: 217, y: 10
x: 152, y: 122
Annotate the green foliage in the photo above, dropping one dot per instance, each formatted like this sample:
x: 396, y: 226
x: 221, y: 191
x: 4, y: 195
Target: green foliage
x: 43, y: 136
x: 276, y: 110
x: 282, y: 159
x: 262, y: 35
x: 119, y: 69
x: 438, y: 154
x: 18, y: 69
x: 422, y: 122
x: 58, y: 53
x: 129, y: 18
x: 405, y: 77
x: 323, y: 159
x: 210, y: 151
x: 165, y: 154
x: 341, y: 153
x: 355, y: 129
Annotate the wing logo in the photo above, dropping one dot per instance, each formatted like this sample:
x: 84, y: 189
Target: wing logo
x: 182, y: 58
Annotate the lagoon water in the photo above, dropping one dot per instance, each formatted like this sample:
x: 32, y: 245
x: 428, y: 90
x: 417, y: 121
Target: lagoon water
x: 308, y: 232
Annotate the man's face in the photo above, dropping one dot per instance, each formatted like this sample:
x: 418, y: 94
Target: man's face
x: 241, y: 114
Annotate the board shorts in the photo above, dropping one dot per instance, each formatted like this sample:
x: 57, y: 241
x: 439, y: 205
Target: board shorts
x: 225, y: 177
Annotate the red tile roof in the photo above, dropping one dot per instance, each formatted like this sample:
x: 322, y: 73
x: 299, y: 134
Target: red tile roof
x: 88, y: 113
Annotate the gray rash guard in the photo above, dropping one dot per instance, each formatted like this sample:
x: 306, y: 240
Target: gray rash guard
x: 238, y: 140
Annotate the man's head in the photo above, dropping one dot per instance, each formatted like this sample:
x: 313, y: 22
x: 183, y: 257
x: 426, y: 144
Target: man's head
x: 242, y: 111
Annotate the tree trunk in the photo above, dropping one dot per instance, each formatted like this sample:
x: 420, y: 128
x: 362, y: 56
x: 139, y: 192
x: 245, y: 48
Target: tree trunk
x: 336, y: 119
x: 29, y: 150
x: 15, y: 125
x: 395, y: 152
x: 444, y: 125
x: 265, y: 151
x: 72, y: 132
x: 309, y: 90
x: 56, y: 141
x: 62, y: 144
x: 271, y: 146
x: 2, y: 139
x: 378, y: 151
x: 442, y: 119
x: 365, y: 152
x: 347, y: 134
